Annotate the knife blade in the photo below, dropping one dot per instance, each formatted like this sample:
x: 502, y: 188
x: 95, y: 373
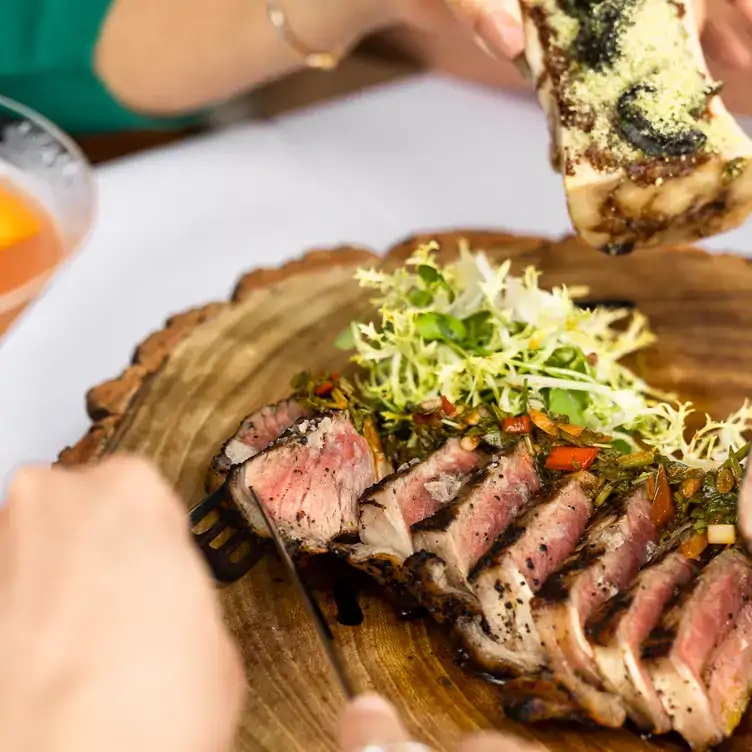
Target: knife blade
x: 520, y: 62
x: 326, y: 638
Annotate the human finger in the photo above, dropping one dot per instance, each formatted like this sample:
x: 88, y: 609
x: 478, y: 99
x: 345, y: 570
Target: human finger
x: 497, y: 25
x: 371, y: 721
x: 723, y: 43
x: 745, y: 7
x: 699, y: 9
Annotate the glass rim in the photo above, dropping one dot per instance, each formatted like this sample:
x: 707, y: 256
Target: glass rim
x: 73, y: 149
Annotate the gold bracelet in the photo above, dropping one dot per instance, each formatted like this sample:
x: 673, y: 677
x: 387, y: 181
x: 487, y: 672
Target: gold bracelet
x: 319, y: 60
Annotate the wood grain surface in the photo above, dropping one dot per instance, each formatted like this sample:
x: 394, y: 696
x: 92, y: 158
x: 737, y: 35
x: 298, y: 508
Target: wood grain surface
x: 192, y: 382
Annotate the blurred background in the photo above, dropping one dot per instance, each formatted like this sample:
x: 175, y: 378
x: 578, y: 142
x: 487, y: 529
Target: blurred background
x: 389, y: 57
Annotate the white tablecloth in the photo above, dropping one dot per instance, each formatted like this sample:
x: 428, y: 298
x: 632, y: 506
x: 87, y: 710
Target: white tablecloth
x: 177, y: 226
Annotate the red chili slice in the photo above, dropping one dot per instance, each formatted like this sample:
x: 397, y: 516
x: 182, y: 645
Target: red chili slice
x: 569, y: 458
x: 448, y: 407
x: 324, y: 389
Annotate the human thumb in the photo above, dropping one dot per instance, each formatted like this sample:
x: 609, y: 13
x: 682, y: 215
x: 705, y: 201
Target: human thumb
x: 370, y: 720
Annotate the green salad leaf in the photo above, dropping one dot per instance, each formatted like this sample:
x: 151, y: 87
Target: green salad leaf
x: 570, y: 403
x: 475, y: 334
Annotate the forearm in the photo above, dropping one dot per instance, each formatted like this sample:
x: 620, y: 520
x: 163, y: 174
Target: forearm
x: 166, y: 57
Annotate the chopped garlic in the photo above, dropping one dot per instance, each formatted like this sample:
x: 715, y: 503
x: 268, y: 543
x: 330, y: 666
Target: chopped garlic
x: 723, y: 535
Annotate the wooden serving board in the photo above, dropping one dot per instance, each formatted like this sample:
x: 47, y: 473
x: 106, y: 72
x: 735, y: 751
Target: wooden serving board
x: 192, y: 382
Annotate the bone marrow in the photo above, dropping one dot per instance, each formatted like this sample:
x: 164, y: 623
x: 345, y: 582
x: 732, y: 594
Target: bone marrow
x: 648, y: 151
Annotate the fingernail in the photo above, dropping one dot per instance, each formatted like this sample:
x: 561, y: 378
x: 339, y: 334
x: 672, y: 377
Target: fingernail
x: 373, y: 703
x: 500, y: 35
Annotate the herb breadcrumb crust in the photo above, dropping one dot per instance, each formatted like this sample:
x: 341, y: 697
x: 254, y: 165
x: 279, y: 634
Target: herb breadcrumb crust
x: 648, y: 152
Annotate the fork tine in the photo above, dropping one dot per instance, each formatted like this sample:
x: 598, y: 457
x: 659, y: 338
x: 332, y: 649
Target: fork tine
x: 236, y: 539
x: 213, y: 532
x: 223, y: 569
x: 211, y: 502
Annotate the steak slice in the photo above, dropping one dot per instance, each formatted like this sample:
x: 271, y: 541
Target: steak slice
x: 310, y: 481
x: 624, y: 624
x: 451, y: 542
x: 254, y: 434
x: 680, y: 648
x: 389, y: 509
x: 616, y: 545
x: 729, y: 677
x: 464, y: 531
x: 503, y: 637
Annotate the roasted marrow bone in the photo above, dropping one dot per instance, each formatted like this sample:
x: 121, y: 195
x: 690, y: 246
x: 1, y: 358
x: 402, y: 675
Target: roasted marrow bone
x: 648, y: 151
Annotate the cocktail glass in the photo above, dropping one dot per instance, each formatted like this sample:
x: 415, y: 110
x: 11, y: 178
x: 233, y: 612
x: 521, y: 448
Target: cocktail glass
x: 47, y: 204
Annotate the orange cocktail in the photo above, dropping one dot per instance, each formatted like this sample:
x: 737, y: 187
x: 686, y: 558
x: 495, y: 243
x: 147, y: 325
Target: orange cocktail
x: 46, y: 205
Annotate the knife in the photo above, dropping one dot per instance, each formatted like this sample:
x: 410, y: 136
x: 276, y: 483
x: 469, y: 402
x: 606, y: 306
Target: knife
x: 520, y: 62
x: 326, y: 638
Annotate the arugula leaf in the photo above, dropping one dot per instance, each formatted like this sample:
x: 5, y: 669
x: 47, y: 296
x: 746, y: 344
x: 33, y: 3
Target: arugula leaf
x: 420, y: 298
x: 440, y: 326
x: 433, y: 277
x: 570, y: 403
x: 479, y: 327
x: 429, y: 274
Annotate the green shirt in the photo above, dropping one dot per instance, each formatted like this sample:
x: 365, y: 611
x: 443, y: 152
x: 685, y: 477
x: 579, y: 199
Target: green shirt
x: 46, y: 63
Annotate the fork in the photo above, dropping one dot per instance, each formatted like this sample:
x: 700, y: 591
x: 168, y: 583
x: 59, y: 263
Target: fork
x: 224, y: 537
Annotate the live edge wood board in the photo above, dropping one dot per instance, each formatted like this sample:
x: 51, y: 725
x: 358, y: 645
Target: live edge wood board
x: 191, y: 383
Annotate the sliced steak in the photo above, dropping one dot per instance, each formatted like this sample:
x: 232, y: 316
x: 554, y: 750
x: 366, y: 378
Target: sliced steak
x: 680, y: 648
x: 310, y: 480
x: 389, y: 509
x: 729, y: 676
x: 616, y: 545
x: 255, y: 433
x: 451, y: 542
x: 624, y: 624
x: 464, y: 531
x: 504, y: 638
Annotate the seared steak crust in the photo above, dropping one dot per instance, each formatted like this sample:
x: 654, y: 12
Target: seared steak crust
x: 531, y: 699
x: 427, y: 578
